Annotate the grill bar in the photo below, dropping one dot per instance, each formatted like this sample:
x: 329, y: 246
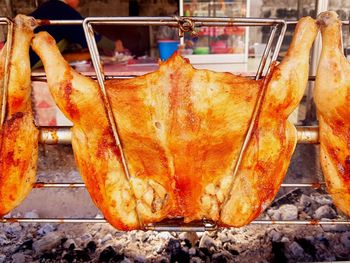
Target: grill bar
x: 39, y: 76
x: 315, y: 185
x: 180, y: 228
x: 62, y: 135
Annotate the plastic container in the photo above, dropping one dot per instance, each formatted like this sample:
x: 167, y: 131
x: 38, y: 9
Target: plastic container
x: 201, y: 50
x: 167, y: 48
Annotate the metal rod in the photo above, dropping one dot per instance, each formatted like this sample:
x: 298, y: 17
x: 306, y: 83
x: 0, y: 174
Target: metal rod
x: 158, y: 21
x: 6, y: 78
x: 89, y: 35
x: 257, y: 106
x: 307, y: 134
x: 59, y: 185
x: 167, y: 21
x: 266, y: 53
x: 45, y: 22
x: 62, y: 135
x: 36, y: 76
x: 42, y: 76
x: 199, y: 21
x: 182, y: 228
x: 54, y: 135
x: 300, y: 222
x: 315, y: 185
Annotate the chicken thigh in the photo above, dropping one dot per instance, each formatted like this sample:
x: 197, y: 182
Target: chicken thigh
x: 18, y: 136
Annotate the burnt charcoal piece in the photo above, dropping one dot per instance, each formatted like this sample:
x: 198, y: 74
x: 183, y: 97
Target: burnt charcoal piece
x: 68, y: 257
x: 91, y: 247
x: 187, y: 243
x: 222, y: 257
x: 234, y: 252
x: 25, y: 245
x: 278, y: 250
x: 176, y: 252
x: 47, y: 257
x: 81, y: 255
x: 109, y: 255
x: 174, y: 246
x: 308, y: 247
x: 180, y: 256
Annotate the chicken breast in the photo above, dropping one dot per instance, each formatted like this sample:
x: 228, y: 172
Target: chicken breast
x: 332, y: 98
x: 181, y: 130
x: 18, y: 136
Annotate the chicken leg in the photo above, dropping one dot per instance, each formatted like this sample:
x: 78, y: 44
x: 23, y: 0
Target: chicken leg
x: 18, y: 136
x: 332, y: 98
x: 181, y: 131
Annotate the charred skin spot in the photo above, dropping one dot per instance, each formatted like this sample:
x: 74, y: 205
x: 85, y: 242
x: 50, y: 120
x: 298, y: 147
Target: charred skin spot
x: 71, y: 108
x: 347, y: 167
x: 10, y: 160
x: 14, y: 117
x: 107, y: 144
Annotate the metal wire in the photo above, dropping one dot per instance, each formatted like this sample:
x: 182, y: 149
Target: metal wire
x: 89, y: 35
x: 256, y: 110
x: 9, y: 23
x: 172, y: 228
x: 315, y: 185
x: 38, y: 76
x: 62, y: 135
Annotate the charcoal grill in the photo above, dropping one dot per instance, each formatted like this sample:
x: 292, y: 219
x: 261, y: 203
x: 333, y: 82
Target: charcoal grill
x: 62, y: 135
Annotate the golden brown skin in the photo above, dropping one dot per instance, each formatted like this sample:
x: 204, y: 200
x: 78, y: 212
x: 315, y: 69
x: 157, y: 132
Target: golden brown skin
x: 182, y: 130
x: 332, y: 97
x: 19, y: 135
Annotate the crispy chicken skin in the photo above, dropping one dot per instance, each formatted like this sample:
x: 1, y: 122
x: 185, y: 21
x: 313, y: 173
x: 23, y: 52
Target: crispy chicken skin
x: 181, y: 131
x: 19, y: 135
x: 332, y: 98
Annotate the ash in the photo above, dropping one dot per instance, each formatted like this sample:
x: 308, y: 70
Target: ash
x: 102, y: 243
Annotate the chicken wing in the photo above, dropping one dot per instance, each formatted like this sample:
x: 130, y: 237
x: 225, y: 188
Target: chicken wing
x: 181, y: 131
x: 332, y: 98
x: 19, y: 136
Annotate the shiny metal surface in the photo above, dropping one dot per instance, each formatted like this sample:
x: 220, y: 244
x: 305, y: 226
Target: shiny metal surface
x: 315, y: 185
x: 55, y: 135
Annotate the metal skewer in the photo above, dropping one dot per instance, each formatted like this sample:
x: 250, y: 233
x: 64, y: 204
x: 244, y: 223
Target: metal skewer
x: 256, y: 110
x: 62, y: 135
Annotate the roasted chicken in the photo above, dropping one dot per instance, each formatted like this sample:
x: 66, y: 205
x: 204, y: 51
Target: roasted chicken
x: 332, y: 98
x: 19, y: 136
x: 181, y: 130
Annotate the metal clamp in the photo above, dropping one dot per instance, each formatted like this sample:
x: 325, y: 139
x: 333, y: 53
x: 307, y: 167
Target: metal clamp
x: 185, y: 24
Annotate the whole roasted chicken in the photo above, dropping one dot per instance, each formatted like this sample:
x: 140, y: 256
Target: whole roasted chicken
x: 18, y: 136
x: 181, y: 130
x: 332, y: 98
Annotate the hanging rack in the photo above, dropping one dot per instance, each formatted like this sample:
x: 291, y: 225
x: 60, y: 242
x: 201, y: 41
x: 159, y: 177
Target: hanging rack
x: 62, y: 135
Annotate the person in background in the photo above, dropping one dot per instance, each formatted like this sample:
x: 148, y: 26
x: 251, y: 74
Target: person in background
x: 70, y: 34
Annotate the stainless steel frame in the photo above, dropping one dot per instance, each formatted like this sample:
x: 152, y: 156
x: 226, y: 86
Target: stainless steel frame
x: 62, y: 135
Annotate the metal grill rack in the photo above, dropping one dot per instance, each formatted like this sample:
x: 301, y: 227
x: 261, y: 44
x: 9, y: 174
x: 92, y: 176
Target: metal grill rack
x: 62, y: 135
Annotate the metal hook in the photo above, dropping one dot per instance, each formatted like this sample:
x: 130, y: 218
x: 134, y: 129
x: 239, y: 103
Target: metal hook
x: 185, y: 25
